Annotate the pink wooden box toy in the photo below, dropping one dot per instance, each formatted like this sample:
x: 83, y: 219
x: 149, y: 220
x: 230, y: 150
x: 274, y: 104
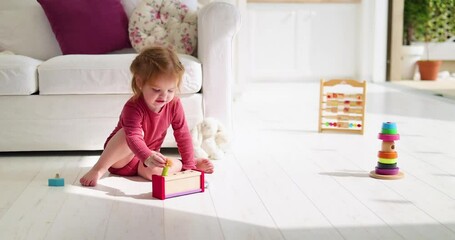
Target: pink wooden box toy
x: 177, y: 184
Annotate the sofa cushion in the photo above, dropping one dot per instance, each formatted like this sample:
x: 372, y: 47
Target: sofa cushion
x: 103, y: 74
x: 24, y: 30
x: 87, y: 26
x: 164, y: 22
x: 130, y: 5
x: 18, y: 75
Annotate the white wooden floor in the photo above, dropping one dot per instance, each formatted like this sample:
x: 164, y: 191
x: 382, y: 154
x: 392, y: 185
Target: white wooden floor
x: 281, y: 180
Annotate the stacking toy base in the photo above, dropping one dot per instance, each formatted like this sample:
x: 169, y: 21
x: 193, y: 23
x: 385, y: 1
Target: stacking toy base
x: 373, y: 174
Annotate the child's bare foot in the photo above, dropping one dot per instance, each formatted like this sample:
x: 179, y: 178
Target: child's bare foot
x: 91, y: 178
x: 204, y: 164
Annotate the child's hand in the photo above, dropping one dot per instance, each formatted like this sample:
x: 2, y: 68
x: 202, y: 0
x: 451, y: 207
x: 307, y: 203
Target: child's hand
x: 155, y: 160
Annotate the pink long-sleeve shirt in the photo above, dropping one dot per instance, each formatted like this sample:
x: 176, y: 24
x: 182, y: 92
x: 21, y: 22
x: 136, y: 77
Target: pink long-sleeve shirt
x: 145, y: 130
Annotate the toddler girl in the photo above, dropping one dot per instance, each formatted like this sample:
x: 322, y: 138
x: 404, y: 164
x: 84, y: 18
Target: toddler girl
x: 133, y: 148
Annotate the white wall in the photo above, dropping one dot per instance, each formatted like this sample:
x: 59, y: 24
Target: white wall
x: 373, y: 35
x: 295, y: 42
x: 439, y: 51
x: 306, y: 42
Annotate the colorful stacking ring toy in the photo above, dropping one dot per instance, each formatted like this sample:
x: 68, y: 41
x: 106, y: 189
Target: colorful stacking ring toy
x: 387, y: 146
x: 389, y: 137
x: 386, y: 166
x: 389, y: 125
x: 389, y: 131
x: 382, y: 154
x: 392, y: 171
x: 387, y: 160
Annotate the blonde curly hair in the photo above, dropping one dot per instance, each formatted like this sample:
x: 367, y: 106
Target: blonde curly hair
x: 152, y: 63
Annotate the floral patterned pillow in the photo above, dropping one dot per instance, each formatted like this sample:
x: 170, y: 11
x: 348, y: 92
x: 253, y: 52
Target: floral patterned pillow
x: 164, y: 22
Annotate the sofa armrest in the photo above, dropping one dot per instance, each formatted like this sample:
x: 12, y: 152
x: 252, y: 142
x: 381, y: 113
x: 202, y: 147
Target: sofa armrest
x: 218, y: 22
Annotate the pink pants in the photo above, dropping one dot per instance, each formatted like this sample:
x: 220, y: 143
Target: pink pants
x: 129, y: 169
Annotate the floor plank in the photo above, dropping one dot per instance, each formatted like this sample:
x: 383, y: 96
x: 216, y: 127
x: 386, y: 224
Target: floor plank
x: 241, y: 213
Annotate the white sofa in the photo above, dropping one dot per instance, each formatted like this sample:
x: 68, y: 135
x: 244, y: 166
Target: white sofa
x: 55, y: 102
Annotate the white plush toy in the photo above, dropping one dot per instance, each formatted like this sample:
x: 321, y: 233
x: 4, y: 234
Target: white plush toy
x: 209, y: 139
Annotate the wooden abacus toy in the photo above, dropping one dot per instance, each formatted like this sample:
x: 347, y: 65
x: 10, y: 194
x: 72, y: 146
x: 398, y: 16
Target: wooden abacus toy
x: 177, y: 184
x: 387, y: 164
x: 342, y: 111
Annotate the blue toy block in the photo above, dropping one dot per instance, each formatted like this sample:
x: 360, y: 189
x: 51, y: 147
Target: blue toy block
x: 56, y: 182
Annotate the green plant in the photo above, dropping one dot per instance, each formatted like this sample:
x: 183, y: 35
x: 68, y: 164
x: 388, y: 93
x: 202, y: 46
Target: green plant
x: 428, y: 20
